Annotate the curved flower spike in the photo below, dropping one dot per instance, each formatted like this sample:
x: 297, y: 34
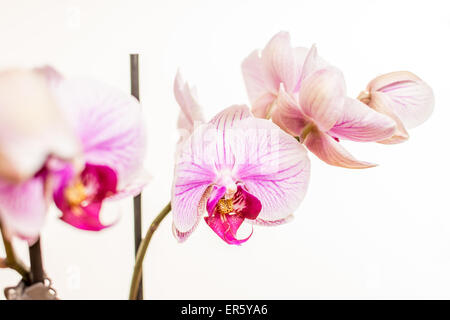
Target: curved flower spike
x: 110, y: 126
x: 237, y: 168
x: 402, y: 96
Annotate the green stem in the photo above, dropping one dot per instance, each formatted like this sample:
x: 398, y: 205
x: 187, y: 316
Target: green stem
x: 306, y: 130
x: 12, y: 261
x: 137, y: 272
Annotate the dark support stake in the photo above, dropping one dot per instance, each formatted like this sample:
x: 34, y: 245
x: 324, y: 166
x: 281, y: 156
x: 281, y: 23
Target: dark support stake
x: 134, y: 72
x: 37, y: 270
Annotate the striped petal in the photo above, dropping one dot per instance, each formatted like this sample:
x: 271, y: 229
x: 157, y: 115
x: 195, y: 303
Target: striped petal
x: 279, y: 62
x: 409, y: 97
x: 272, y: 166
x: 360, y: 123
x: 23, y: 207
x: 330, y: 151
x: 378, y: 103
x: 260, y: 93
x: 109, y: 124
x: 288, y: 115
x: 322, y: 96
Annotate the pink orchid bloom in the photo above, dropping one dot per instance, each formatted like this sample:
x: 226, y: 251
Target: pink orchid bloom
x: 308, y: 100
x: 109, y: 127
x: 402, y: 96
x: 236, y: 168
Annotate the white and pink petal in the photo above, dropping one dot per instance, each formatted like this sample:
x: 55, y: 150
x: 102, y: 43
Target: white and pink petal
x: 326, y: 148
x: 280, y: 63
x: 409, y: 97
x: 23, y: 208
x: 322, y: 96
x: 109, y: 123
x: 360, y: 123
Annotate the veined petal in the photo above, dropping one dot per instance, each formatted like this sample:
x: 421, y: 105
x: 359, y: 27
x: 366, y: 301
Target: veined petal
x: 329, y: 150
x: 221, y: 125
x: 23, y: 207
x: 191, y: 112
x: 271, y: 165
x: 310, y: 62
x: 194, y: 173
x: 378, y: 103
x: 410, y: 98
x: 279, y: 61
x: 264, y: 106
x: 322, y: 96
x: 360, y: 123
x: 32, y: 126
x: 201, y: 211
x: 261, y: 95
x: 230, y: 116
x: 109, y: 123
x: 288, y: 115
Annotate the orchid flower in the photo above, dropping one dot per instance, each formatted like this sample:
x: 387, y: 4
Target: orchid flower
x: 308, y: 100
x: 235, y: 168
x: 404, y: 97
x: 109, y: 129
x: 110, y: 126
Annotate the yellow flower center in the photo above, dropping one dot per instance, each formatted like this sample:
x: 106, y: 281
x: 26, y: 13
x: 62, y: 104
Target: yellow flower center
x: 75, y: 194
x: 225, y: 206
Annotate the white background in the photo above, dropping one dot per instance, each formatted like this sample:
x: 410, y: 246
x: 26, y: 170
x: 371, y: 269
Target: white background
x: 374, y: 233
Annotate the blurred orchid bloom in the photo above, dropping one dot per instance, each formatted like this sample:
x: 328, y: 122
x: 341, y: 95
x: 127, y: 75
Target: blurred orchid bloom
x: 308, y: 100
x: 404, y: 97
x: 110, y: 126
x: 236, y: 168
x: 32, y: 130
x: 111, y: 138
x: 31, y: 126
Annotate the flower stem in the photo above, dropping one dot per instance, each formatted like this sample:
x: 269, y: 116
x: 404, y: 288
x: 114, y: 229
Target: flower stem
x: 137, y: 272
x: 37, y: 271
x: 364, y: 97
x: 12, y: 261
x: 306, y: 130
